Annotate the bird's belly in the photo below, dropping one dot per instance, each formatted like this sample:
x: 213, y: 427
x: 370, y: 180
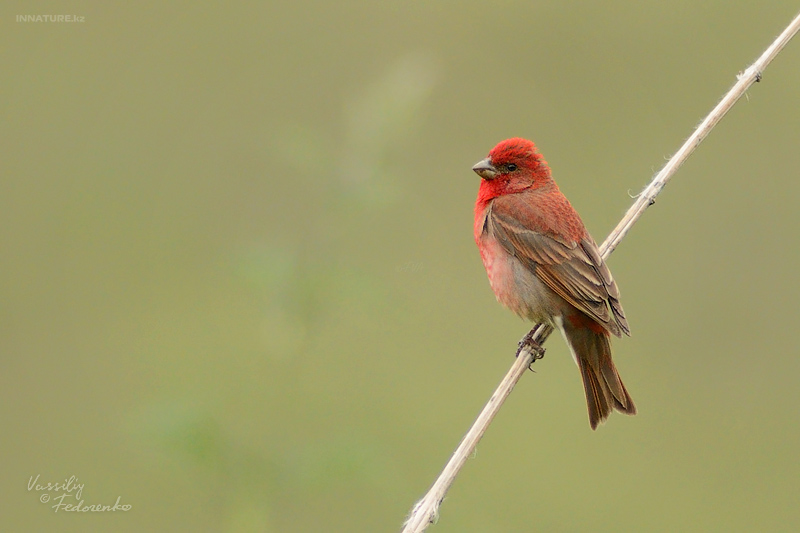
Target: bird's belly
x: 516, y: 287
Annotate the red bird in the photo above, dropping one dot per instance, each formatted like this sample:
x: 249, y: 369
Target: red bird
x: 544, y: 266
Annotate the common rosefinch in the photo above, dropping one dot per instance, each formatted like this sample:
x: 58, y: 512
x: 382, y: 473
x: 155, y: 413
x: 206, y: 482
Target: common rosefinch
x: 544, y: 266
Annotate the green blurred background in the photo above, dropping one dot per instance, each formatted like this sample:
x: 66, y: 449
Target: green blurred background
x: 240, y: 289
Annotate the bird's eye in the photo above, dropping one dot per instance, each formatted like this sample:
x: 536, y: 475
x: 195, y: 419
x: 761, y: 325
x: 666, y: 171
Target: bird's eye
x: 511, y: 167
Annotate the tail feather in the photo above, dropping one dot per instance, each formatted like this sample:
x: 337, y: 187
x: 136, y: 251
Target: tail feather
x: 604, y: 388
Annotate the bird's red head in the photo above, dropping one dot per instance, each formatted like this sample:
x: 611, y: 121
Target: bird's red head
x: 512, y: 166
x: 518, y: 152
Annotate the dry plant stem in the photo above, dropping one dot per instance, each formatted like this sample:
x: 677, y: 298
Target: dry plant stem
x: 426, y: 511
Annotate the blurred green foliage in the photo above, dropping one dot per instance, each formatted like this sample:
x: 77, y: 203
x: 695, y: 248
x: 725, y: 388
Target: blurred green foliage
x: 240, y: 289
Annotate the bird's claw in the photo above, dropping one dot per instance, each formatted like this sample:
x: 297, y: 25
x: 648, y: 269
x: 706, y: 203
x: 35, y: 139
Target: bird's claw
x: 535, y: 348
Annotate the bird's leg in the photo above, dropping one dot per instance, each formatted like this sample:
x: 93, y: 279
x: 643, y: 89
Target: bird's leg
x: 535, y: 348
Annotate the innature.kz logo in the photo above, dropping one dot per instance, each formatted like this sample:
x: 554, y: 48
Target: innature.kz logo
x: 50, y: 18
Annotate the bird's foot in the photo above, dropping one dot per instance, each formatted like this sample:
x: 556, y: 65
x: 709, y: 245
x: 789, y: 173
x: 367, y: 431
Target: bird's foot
x: 528, y: 342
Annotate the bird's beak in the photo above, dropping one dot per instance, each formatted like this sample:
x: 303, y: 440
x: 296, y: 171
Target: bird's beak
x: 485, y: 169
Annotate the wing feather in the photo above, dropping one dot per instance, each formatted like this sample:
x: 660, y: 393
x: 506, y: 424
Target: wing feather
x: 573, y: 269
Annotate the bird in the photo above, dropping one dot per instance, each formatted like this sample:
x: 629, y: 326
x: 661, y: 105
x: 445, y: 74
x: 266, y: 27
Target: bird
x: 544, y: 266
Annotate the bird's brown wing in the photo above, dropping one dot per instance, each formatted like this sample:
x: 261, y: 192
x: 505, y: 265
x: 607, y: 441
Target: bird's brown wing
x: 573, y: 269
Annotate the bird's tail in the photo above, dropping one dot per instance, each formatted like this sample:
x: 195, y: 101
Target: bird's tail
x: 591, y: 348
